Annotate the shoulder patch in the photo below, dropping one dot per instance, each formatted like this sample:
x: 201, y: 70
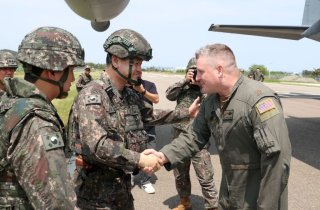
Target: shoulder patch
x: 265, y: 105
x: 52, y: 141
x: 92, y: 99
x: 266, y: 109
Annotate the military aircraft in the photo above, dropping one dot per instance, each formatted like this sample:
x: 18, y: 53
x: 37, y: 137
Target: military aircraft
x: 310, y: 27
x: 100, y: 12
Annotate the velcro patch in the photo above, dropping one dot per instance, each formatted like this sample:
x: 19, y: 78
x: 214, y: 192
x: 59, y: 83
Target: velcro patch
x: 228, y: 115
x: 265, y: 105
x: 93, y: 99
x: 266, y: 109
x: 52, y: 141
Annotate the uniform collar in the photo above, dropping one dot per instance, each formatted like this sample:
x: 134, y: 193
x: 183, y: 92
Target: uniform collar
x: 17, y: 87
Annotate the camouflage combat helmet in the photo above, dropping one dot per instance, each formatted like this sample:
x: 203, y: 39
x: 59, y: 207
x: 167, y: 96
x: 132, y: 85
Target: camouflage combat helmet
x: 51, y: 48
x: 8, y: 59
x: 126, y: 43
x: 192, y: 64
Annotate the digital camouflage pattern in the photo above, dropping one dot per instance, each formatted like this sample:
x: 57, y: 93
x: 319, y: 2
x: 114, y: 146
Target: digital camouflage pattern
x: 185, y: 93
x: 83, y: 80
x: 51, y: 48
x: 253, y: 143
x: 126, y: 43
x: 2, y: 89
x: 8, y: 59
x: 192, y: 63
x: 33, y: 165
x: 106, y: 128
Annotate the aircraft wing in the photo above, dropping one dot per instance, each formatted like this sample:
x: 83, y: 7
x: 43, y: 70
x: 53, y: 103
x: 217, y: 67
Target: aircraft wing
x: 284, y: 32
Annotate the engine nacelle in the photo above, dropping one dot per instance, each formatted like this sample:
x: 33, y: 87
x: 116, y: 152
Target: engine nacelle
x: 99, y: 12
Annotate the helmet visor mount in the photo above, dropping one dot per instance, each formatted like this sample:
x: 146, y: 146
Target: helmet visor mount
x: 131, y: 51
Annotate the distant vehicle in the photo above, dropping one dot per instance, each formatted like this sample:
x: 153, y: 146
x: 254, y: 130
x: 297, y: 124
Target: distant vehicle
x: 100, y: 12
x: 310, y: 27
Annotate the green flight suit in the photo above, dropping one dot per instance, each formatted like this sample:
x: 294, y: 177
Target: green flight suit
x: 252, y: 139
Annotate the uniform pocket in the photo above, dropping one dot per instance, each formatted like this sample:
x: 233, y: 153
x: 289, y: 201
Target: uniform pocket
x: 266, y: 142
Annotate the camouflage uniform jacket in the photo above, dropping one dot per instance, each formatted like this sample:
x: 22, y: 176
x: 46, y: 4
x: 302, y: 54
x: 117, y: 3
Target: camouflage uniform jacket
x: 184, y: 93
x: 2, y: 92
x: 252, y: 139
x: 33, y: 164
x: 83, y: 80
x: 2, y: 89
x: 106, y: 127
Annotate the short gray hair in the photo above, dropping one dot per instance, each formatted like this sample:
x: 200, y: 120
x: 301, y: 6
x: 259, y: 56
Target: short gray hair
x: 213, y: 50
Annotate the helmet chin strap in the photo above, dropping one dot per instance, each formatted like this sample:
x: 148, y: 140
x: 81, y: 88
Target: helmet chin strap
x: 129, y: 80
x: 59, y: 83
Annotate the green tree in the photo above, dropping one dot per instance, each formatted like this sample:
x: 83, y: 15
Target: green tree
x: 316, y: 73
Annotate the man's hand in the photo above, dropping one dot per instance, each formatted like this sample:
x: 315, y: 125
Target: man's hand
x: 194, y: 108
x: 160, y: 155
x: 139, y: 88
x: 189, y: 76
x: 149, y: 163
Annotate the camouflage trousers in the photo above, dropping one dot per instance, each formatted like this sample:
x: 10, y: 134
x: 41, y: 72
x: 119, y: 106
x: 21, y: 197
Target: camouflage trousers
x: 96, y: 191
x: 205, y: 174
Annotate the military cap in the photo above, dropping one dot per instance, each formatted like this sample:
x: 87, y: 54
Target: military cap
x: 51, y: 48
x: 126, y: 43
x: 192, y: 64
x: 8, y: 59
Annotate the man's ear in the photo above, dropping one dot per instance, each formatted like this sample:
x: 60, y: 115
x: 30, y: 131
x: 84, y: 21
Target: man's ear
x: 220, y: 71
x: 48, y: 74
x: 114, y: 61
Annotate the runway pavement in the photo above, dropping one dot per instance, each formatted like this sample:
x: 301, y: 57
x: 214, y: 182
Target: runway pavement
x: 302, y: 111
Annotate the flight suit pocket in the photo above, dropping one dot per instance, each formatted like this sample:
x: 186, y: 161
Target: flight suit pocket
x: 266, y: 142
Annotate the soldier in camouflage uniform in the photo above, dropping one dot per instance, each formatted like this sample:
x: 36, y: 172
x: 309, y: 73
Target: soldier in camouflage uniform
x: 33, y: 169
x: 247, y: 123
x: 84, y: 78
x: 258, y: 75
x: 106, y: 126
x: 8, y: 65
x: 185, y: 92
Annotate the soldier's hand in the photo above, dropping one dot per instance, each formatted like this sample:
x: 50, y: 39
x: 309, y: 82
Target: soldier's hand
x: 139, y: 88
x: 194, y: 108
x: 160, y: 155
x: 149, y: 163
x: 189, y: 76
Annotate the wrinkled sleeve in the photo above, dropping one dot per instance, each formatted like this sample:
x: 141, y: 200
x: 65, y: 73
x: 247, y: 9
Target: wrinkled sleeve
x: 80, y: 82
x: 272, y: 139
x: 99, y: 143
x: 190, y: 141
x: 173, y: 92
x: 41, y: 173
x: 153, y: 117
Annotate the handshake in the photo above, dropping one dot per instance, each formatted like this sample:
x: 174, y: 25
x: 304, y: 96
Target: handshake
x: 151, y: 160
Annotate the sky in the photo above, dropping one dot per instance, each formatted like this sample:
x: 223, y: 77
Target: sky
x: 175, y: 29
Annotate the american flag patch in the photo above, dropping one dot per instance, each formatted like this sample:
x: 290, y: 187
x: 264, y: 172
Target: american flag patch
x: 265, y: 105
